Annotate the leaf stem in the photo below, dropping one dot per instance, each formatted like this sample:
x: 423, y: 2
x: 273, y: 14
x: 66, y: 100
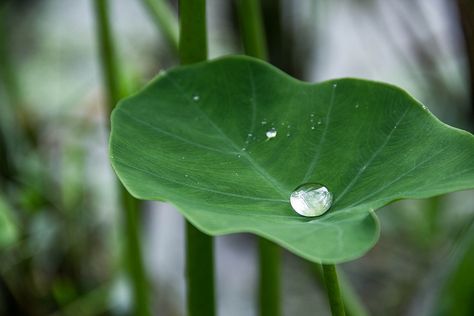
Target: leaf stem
x: 164, y: 19
x: 199, y: 246
x: 352, y: 304
x: 251, y: 28
x: 269, y: 285
x: 332, y: 288
x: 253, y: 37
x: 132, y: 252
x: 199, y: 272
x: 193, y: 34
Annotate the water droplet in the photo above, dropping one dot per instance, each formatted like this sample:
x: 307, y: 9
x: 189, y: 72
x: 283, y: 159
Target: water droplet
x: 244, y: 149
x: 186, y: 175
x: 249, y: 134
x: 357, y: 105
x: 334, y: 85
x: 311, y: 199
x: 312, y: 115
x: 282, y: 123
x: 264, y: 122
x: 424, y: 107
x: 238, y: 156
x: 196, y: 98
x: 271, y: 133
x: 289, y: 126
x: 182, y: 157
x: 288, y: 134
x: 312, y: 127
x: 319, y: 122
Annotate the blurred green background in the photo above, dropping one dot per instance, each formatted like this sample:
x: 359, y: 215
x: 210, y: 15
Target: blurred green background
x: 61, y: 236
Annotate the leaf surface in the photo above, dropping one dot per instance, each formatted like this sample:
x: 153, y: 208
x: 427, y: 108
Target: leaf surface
x: 196, y: 137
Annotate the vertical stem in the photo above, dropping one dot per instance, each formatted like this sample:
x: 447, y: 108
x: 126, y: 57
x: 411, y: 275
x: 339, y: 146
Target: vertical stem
x: 466, y: 17
x: 251, y: 27
x: 199, y: 246
x: 332, y: 288
x: 131, y: 230
x: 269, y: 285
x: 193, y: 34
x: 352, y: 303
x: 199, y: 272
x: 253, y: 37
x: 164, y: 19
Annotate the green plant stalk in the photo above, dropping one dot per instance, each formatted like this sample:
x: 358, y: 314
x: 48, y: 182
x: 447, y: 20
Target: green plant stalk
x: 199, y: 246
x: 132, y: 253
x: 253, y: 37
x: 251, y: 27
x: 352, y: 304
x: 165, y: 20
x: 332, y: 288
x: 269, y: 282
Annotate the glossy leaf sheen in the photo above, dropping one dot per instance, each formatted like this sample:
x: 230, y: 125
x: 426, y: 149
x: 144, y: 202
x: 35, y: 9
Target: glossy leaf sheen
x: 196, y: 137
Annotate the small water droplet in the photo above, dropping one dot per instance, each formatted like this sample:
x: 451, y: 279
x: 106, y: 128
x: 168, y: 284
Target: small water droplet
x: 282, y: 123
x: 249, y: 134
x: 289, y: 126
x: 312, y: 115
x: 244, y: 149
x: 334, y: 85
x: 311, y: 199
x: 182, y: 157
x: 271, y: 133
x: 264, y: 122
x: 424, y: 107
x: 196, y: 98
x: 312, y: 127
x: 319, y: 122
x: 186, y: 175
x: 357, y: 105
x: 288, y: 134
x: 238, y: 155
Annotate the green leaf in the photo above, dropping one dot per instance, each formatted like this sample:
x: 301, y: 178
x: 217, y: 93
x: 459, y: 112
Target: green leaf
x: 195, y: 137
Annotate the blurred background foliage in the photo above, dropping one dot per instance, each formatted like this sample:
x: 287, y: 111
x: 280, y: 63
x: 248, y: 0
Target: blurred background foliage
x: 60, y: 235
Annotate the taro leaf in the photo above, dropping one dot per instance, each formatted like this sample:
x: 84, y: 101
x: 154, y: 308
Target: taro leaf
x: 196, y: 137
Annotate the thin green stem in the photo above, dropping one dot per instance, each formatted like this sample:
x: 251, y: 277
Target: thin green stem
x: 352, y: 304
x: 199, y: 246
x: 251, y: 28
x: 253, y: 37
x: 269, y: 283
x: 131, y: 230
x: 332, y: 288
x: 108, y: 58
x: 165, y: 20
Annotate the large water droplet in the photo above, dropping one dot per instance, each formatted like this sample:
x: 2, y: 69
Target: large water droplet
x: 272, y: 132
x: 311, y: 199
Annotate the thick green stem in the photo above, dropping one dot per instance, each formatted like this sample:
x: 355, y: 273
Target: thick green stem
x: 251, y: 27
x: 193, y: 34
x: 269, y: 285
x: 199, y: 272
x: 165, y: 20
x: 253, y: 37
x: 199, y: 246
x: 332, y: 288
x: 352, y: 304
x: 132, y: 253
